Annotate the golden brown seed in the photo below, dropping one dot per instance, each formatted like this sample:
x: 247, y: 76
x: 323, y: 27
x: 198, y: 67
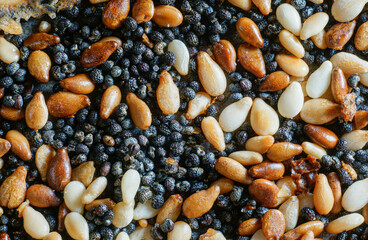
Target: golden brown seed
x: 39, y: 65
x: 19, y: 144
x: 348, y: 106
x: 292, y: 65
x: 339, y: 34
x: 282, y: 151
x: 139, y: 111
x: 60, y: 170
x: 335, y: 185
x: 315, y: 226
x: 97, y: 53
x: 361, y: 37
x: 225, y: 55
x: 65, y: 104
x: 79, y: 84
x: 39, y: 41
x: 4, y: 236
x: 226, y: 185
x: 167, y: 94
x: 115, y: 13
x: 110, y: 204
x: 198, y: 105
x: 268, y: 170
x: 360, y: 119
x: 11, y: 114
x: 249, y: 32
x: 200, y: 202
x: 4, y: 147
x: 365, y: 213
x: 249, y: 226
x: 171, y: 209
x: 42, y: 196
x: 37, y: 113
x: 308, y: 236
x: 110, y: 100
x: 321, y: 136
x: 13, y: 189
x: 259, y: 144
x: 274, y: 82
x: 63, y: 211
x: 319, y: 111
x: 251, y: 59
x: 273, y: 224
x: 44, y: 155
x: 350, y: 170
x: 233, y: 170
x: 84, y: 173
x: 264, y: 6
x: 167, y: 16
x: 322, y: 195
x: 339, y: 85
x: 264, y: 191
x: 213, y: 133
x: 143, y: 10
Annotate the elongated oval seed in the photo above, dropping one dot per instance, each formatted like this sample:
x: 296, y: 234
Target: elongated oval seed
x: 8, y: 52
x: 249, y: 227
x: 345, y: 223
x: 167, y: 16
x: 292, y: 65
x: 4, y: 147
x: 334, y: 182
x: 73, y: 193
x: 141, y: 233
x: 263, y: 118
x: 360, y: 120
x: 243, y: 4
x: 291, y: 100
x: 259, y: 144
x: 139, y: 111
x: 43, y: 157
x: 319, y: 81
x: 76, y: 226
x: 319, y: 111
x: 225, y: 55
x: 339, y: 85
x: 11, y: 114
x: 213, y: 133
x: 182, y: 231
x: 289, y: 18
x: 315, y: 226
x: 282, y: 151
x: 264, y: 191
x: 268, y: 170
x: 291, y: 43
x: 313, y: 25
x: 145, y: 211
x: 123, y: 214
x: 34, y: 223
x: 249, y: 32
x: 198, y: 105
x: 290, y: 209
x: 247, y: 157
x: 356, y: 139
x: 171, y: 209
x: 143, y: 11
x: 94, y: 190
x: 233, y: 170
x: 79, y: 84
x: 355, y: 196
x: 322, y: 195
x: 274, y: 82
x: 273, y: 224
x: 53, y: 236
x: 129, y: 185
x: 321, y: 135
x: 37, y: 114
x: 182, y: 56
x: 251, y: 59
x: 226, y: 185
x: 19, y: 144
x: 347, y: 10
x: 64, y: 104
x: 39, y: 65
x: 110, y: 100
x: 320, y: 40
x: 314, y: 150
x: 349, y: 63
x: 234, y: 115
x: 122, y: 236
x: 167, y: 94
x: 211, y: 75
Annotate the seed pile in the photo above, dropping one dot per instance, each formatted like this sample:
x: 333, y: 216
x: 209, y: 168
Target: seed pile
x: 184, y: 119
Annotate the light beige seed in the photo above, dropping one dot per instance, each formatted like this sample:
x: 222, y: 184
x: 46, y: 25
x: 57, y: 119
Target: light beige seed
x: 198, y: 105
x: 167, y: 94
x: 345, y: 223
x: 19, y: 144
x: 259, y: 144
x: 349, y: 63
x: 289, y: 18
x: 323, y: 197
x: 110, y: 100
x: 182, y: 231
x: 291, y: 43
x: 291, y: 100
x: 94, y: 190
x: 73, y: 193
x: 314, y: 150
x: 258, y: 235
x: 355, y: 197
x: 144, y: 211
x: 319, y: 81
x: 247, y: 158
x: 234, y: 115
x: 287, y: 188
x: 53, y: 236
x: 39, y: 65
x: 141, y: 233
x: 292, y: 65
x: 290, y: 209
x: 43, y: 157
x: 243, y: 4
x: 84, y: 173
x: 36, y: 114
x: 320, y: 40
x: 182, y: 56
x: 34, y: 223
x: 305, y: 200
x: 129, y: 185
x: 347, y: 10
x: 213, y: 133
x: 211, y: 75
x: 76, y: 226
x: 232, y: 170
x: 44, y: 27
x: 122, y: 236
x: 123, y: 214
x: 139, y: 111
x: 263, y: 118
x: 319, y: 111
x: 8, y: 52
x: 313, y: 25
x: 356, y: 139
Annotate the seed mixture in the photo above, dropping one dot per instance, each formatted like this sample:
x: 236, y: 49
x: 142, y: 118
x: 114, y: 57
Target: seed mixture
x: 184, y: 119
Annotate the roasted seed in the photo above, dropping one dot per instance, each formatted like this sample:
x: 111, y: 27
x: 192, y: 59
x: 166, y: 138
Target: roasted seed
x: 250, y: 226
x: 60, y: 170
x: 171, y: 209
x: 339, y: 34
x: 292, y: 65
x: 19, y: 144
x: 264, y: 191
x: 110, y: 204
x: 213, y: 133
x: 198, y: 105
x: 65, y: 104
x: 335, y: 185
x: 259, y: 144
x: 37, y: 114
x: 167, y: 94
x: 282, y: 151
x: 84, y: 173
x: 233, y: 170
x: 264, y: 6
x: 263, y: 118
x: 43, y: 157
x: 339, y: 85
x: 115, y: 13
x: 360, y: 120
x: 274, y: 82
x: 315, y: 226
x: 200, y: 202
x: 79, y: 84
x: 139, y: 111
x: 143, y: 11
x: 225, y: 55
x: 361, y: 37
x: 110, y: 100
x: 99, y: 52
x: 273, y: 224
x: 42, y: 196
x: 4, y: 147
x: 62, y: 212
x: 321, y: 135
x: 268, y: 170
x: 39, y: 41
x: 13, y: 188
x: 226, y: 185
x: 12, y: 114
x: 249, y: 32
x: 167, y: 16
x: 243, y: 4
x: 251, y: 59
x: 246, y: 158
x: 323, y: 197
x: 319, y: 111
x: 39, y: 65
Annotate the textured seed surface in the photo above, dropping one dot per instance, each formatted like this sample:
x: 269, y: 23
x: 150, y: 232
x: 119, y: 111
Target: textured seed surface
x: 233, y: 170
x: 13, y: 189
x: 39, y: 41
x: 264, y: 192
x: 251, y: 59
x: 290, y: 209
x: 273, y: 224
x: 321, y: 136
x: 356, y: 139
x: 167, y: 94
x: 115, y: 13
x: 37, y: 114
x: 79, y: 84
x: 43, y: 157
x: 98, y: 53
x: 167, y: 16
x: 319, y: 111
x: 268, y: 170
x: 315, y: 226
x: 274, y: 82
x: 42, y: 196
x: 19, y: 144
x: 64, y: 104
x: 39, y: 65
x: 339, y: 85
x: 4, y: 147
x: 339, y: 34
x: 84, y: 173
x: 361, y: 37
x: 349, y: 63
x: 143, y: 10
x: 11, y: 113
x: 171, y: 209
x: 335, y: 185
x: 249, y: 226
x: 347, y: 10
x: 59, y: 171
x: 283, y: 150
x: 225, y: 55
